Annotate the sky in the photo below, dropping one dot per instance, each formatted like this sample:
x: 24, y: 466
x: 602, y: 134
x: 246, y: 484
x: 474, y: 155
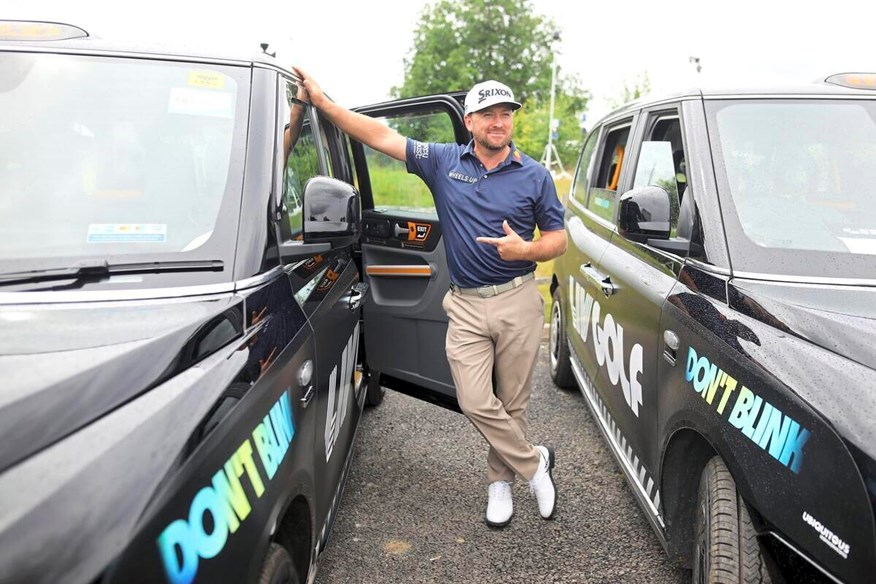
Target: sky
x: 356, y: 49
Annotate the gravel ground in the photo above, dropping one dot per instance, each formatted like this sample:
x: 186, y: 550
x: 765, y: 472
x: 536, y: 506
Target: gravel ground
x: 414, y: 504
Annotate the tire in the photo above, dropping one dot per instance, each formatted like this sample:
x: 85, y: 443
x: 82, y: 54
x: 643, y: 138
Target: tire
x: 278, y: 567
x: 560, y: 365
x: 374, y: 392
x: 726, y: 549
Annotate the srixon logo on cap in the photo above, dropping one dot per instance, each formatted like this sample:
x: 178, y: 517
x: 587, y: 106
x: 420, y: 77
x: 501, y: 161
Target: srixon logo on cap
x: 485, y: 93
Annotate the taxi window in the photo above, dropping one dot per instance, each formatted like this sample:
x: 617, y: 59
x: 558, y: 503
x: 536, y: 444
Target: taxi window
x: 301, y: 158
x: 110, y: 156
x: 326, y: 151
x: 584, y: 170
x: 603, y: 195
x: 391, y: 185
x: 661, y: 163
x: 800, y: 175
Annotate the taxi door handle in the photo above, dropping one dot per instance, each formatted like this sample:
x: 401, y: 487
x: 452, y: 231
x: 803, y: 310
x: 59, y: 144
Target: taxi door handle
x: 308, y: 395
x: 602, y: 281
x: 401, y: 232
x: 670, y: 346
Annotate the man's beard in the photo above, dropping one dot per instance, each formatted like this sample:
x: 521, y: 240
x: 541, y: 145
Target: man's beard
x: 483, y: 143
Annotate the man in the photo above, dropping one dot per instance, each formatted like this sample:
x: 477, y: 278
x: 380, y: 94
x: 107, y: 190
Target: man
x: 487, y: 193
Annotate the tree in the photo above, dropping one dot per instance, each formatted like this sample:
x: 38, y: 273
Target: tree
x: 531, y: 126
x: 458, y: 43
x: 641, y: 86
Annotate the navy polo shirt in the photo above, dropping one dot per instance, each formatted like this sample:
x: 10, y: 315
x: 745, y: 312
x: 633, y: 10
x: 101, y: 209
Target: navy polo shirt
x: 473, y: 202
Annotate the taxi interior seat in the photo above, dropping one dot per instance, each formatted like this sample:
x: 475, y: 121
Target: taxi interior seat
x: 615, y: 168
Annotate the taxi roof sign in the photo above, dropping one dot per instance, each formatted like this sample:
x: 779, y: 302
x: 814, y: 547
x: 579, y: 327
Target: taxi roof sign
x: 29, y: 30
x: 853, y: 80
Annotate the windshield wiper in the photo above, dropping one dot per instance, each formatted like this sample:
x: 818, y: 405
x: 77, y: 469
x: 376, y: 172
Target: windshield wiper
x: 85, y: 271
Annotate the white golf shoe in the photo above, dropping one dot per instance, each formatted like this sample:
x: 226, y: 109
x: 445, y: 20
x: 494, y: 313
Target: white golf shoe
x: 542, y: 484
x: 500, y: 506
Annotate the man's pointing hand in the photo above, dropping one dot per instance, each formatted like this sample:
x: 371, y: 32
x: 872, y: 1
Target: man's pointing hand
x: 511, y: 247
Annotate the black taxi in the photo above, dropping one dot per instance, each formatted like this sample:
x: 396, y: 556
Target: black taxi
x: 189, y: 256
x: 716, y: 309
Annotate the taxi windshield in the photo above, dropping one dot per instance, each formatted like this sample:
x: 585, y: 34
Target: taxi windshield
x: 801, y: 184
x: 108, y: 156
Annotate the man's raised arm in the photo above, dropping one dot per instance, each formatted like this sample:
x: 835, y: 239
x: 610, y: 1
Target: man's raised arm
x: 361, y: 128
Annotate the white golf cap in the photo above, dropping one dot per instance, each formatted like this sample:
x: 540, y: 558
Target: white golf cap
x: 488, y: 93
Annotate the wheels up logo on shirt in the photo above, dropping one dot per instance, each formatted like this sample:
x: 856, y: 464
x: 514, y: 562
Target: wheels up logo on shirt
x: 462, y: 177
x: 758, y: 420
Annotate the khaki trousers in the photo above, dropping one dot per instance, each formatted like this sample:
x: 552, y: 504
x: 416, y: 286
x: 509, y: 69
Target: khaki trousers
x: 502, y: 331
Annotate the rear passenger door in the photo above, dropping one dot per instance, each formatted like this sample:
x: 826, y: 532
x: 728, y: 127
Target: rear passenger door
x: 590, y: 223
x: 640, y: 278
x: 403, y: 257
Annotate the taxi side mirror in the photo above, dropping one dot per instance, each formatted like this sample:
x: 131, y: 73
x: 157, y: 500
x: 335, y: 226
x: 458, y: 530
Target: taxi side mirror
x: 332, y: 211
x: 645, y: 213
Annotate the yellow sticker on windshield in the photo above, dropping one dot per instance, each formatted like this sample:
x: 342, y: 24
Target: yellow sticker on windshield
x: 207, y: 79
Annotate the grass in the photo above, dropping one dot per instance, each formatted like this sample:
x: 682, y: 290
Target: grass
x: 394, y: 188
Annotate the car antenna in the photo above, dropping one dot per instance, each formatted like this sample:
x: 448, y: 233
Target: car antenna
x: 264, y: 47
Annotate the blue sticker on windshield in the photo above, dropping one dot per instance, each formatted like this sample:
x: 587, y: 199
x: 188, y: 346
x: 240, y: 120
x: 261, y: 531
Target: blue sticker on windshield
x: 127, y: 233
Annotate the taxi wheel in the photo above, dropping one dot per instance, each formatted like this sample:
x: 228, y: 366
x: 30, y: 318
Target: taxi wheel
x: 561, y: 366
x: 278, y: 567
x: 725, y: 543
x: 374, y: 392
